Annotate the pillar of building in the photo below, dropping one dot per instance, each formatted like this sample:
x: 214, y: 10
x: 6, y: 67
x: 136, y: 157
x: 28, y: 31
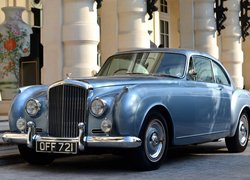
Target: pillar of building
x: 132, y: 25
x: 246, y: 64
x: 231, y: 49
x: 80, y: 37
x: 205, y: 27
x: 51, y: 39
x: 186, y: 24
x: 109, y: 24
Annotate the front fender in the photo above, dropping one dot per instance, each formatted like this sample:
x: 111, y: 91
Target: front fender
x: 17, y: 109
x: 132, y: 107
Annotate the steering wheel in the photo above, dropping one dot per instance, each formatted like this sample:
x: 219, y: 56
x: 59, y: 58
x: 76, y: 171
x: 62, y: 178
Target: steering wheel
x: 119, y: 71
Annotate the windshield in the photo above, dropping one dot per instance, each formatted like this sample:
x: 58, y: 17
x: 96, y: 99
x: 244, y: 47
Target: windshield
x: 157, y: 63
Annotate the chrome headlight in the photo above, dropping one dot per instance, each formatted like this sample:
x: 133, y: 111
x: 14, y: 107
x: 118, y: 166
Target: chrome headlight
x: 32, y: 107
x: 98, y: 107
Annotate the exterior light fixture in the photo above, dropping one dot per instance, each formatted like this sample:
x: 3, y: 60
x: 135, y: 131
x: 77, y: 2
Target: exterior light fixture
x: 244, y: 19
x: 220, y: 10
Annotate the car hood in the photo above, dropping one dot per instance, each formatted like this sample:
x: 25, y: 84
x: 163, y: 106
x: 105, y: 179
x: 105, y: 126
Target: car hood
x: 97, y: 82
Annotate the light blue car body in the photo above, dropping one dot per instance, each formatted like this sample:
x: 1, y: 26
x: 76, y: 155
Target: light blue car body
x: 195, y: 112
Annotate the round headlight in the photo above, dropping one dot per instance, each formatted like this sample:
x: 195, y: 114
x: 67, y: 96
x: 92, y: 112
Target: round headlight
x: 98, y: 107
x: 32, y: 107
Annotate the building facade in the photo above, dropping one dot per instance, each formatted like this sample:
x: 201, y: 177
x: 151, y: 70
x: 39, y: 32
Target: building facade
x: 77, y: 36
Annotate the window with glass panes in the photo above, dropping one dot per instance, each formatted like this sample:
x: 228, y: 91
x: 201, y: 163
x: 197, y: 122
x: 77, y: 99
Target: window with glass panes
x: 164, y: 23
x: 164, y: 33
x: 164, y: 6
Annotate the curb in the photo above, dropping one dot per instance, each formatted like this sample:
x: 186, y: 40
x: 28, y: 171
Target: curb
x: 3, y: 118
x: 2, y: 143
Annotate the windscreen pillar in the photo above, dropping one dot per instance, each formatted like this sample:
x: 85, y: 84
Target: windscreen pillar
x: 80, y: 37
x: 132, y: 25
x: 231, y: 49
x: 205, y: 34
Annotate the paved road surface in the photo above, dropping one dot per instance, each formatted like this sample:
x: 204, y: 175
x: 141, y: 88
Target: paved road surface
x: 204, y: 162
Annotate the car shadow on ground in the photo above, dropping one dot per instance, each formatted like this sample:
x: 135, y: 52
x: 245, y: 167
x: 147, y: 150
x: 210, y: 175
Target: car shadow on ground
x: 183, y: 153
x: 109, y: 163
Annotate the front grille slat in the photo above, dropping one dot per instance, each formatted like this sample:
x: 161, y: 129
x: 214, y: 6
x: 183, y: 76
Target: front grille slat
x: 66, y: 109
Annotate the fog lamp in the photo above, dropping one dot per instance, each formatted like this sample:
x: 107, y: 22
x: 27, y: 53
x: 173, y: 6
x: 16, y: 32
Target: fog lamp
x: 32, y: 107
x: 21, y: 124
x: 106, y: 125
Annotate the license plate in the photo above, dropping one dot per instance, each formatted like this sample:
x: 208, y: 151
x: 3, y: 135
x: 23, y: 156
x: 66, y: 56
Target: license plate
x: 56, y: 147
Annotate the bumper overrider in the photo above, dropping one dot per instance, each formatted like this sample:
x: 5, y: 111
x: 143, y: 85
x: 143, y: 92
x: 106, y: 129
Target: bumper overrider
x: 31, y: 138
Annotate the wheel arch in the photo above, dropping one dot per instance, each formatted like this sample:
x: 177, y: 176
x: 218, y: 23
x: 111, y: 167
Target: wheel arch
x: 164, y: 111
x: 237, y: 118
x: 247, y: 110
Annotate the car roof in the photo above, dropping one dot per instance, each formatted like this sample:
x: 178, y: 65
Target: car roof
x: 187, y: 52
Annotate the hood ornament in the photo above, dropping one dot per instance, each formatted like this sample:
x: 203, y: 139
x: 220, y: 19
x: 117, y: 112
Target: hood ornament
x: 68, y: 75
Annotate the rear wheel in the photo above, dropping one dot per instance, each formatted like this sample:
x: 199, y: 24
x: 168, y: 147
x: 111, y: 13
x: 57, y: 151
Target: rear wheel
x: 33, y: 157
x: 154, y: 136
x: 239, y: 141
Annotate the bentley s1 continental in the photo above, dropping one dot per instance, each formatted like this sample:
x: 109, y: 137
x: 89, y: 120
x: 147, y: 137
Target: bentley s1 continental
x: 144, y: 101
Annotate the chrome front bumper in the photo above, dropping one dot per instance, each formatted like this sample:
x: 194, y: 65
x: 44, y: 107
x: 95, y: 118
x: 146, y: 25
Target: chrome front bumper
x: 91, y: 141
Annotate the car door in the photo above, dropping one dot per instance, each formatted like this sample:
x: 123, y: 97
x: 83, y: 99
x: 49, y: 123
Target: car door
x: 223, y: 115
x: 202, y: 98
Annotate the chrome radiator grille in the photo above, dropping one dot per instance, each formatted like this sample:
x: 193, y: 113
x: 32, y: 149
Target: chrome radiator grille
x: 66, y: 110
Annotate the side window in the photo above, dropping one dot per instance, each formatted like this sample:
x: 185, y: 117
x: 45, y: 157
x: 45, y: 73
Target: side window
x: 201, y: 69
x: 220, y: 75
x: 172, y: 64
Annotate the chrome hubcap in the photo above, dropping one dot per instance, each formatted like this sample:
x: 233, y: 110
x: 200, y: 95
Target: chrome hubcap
x: 155, y: 140
x: 243, y: 130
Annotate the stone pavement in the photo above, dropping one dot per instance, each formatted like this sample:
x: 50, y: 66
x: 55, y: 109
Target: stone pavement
x: 4, y: 126
x: 6, y: 150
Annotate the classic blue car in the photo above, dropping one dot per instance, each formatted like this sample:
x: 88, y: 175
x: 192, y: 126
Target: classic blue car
x: 144, y: 101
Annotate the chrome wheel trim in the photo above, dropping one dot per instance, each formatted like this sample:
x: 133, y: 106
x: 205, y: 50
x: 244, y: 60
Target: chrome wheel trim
x: 155, y: 140
x: 243, y: 130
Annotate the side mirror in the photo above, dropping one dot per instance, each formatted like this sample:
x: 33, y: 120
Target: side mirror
x: 192, y: 74
x: 93, y: 72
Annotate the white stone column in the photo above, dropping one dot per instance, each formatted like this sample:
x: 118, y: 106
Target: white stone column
x: 132, y: 25
x: 232, y: 54
x: 205, y: 27
x: 186, y: 24
x: 51, y: 39
x: 246, y: 64
x: 109, y: 24
x: 80, y: 37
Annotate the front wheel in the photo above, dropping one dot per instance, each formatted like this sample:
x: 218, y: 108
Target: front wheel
x: 239, y: 141
x: 154, y: 136
x: 33, y: 157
